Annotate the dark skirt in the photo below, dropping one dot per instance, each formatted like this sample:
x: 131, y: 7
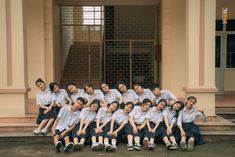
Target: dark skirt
x: 160, y: 132
x: 176, y: 133
x: 129, y: 130
x: 41, y: 116
x: 122, y: 134
x: 192, y: 130
x: 58, y: 132
x: 105, y: 129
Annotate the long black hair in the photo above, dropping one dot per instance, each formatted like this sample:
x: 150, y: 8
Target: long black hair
x: 178, y: 111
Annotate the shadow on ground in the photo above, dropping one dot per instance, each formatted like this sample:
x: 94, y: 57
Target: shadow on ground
x: 213, y: 148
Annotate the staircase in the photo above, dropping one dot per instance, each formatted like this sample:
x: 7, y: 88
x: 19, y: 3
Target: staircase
x: 226, y: 111
x: 77, y: 65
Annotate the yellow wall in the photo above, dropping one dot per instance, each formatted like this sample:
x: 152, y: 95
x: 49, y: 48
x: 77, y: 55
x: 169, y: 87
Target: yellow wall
x: 173, y: 74
x: 35, y: 42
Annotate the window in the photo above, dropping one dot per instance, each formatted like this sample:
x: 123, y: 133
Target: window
x: 231, y: 51
x: 92, y: 16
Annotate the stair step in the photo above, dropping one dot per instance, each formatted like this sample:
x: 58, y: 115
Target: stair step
x: 216, y: 124
x: 225, y: 108
x: 227, y: 115
x: 218, y: 133
x: 23, y: 119
x: 17, y: 127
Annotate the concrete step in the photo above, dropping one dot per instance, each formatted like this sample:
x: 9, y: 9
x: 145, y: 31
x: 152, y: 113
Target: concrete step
x: 17, y: 127
x: 22, y: 119
x: 216, y: 124
x: 225, y: 108
x: 227, y: 115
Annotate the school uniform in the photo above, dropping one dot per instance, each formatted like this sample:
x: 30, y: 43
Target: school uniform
x: 45, y: 98
x: 61, y: 98
x: 186, y: 120
x: 165, y: 94
x: 119, y: 117
x: 139, y: 118
x: 66, y: 119
x: 104, y: 119
x: 88, y: 117
x: 79, y: 93
x: 154, y: 115
x: 112, y: 95
x: 172, y: 120
x: 98, y: 94
x: 147, y: 94
x: 129, y: 96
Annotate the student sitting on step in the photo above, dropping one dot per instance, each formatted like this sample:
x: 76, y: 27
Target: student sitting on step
x: 171, y: 115
x: 137, y: 125
x: 189, y: 130
x: 91, y: 94
x: 61, y: 95
x: 75, y: 92
x: 47, y: 113
x: 156, y: 126
x: 86, y: 120
x: 101, y: 128
x: 128, y: 95
x: 65, y: 122
x: 118, y: 125
x: 110, y: 95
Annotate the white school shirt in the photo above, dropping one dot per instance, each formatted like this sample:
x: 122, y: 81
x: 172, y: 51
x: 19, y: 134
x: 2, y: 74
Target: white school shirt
x: 87, y: 115
x: 61, y: 97
x: 112, y: 95
x: 130, y: 95
x: 80, y: 93
x: 67, y: 118
x: 165, y: 94
x: 103, y: 116
x: 186, y: 116
x: 120, y: 116
x: 170, y: 115
x: 138, y: 115
x: 97, y: 95
x: 45, y: 97
x: 147, y: 94
x: 154, y: 115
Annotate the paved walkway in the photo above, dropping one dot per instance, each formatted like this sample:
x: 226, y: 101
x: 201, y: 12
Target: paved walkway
x: 214, y: 148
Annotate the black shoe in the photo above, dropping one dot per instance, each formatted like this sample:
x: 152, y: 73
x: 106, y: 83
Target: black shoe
x: 68, y: 147
x: 107, y: 147
x: 58, y: 145
x: 137, y: 146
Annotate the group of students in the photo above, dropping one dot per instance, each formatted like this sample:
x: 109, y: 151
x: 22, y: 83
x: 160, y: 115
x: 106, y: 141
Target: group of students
x: 107, y: 116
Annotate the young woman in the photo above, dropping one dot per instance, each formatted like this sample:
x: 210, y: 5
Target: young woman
x: 189, y: 130
x: 61, y: 95
x: 45, y: 100
x: 156, y: 126
x: 143, y: 93
x: 64, y: 124
x: 163, y: 94
x: 117, y: 125
x: 103, y: 117
x: 75, y: 92
x: 110, y: 95
x: 92, y: 94
x: 170, y: 115
x: 83, y: 128
x: 128, y: 95
x: 136, y: 126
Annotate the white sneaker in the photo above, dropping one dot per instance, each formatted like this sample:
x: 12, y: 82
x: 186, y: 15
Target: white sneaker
x: 44, y: 131
x: 95, y: 146
x: 36, y: 131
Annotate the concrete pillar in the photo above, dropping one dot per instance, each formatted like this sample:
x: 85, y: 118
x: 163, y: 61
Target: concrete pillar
x: 200, y: 53
x: 13, y: 63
